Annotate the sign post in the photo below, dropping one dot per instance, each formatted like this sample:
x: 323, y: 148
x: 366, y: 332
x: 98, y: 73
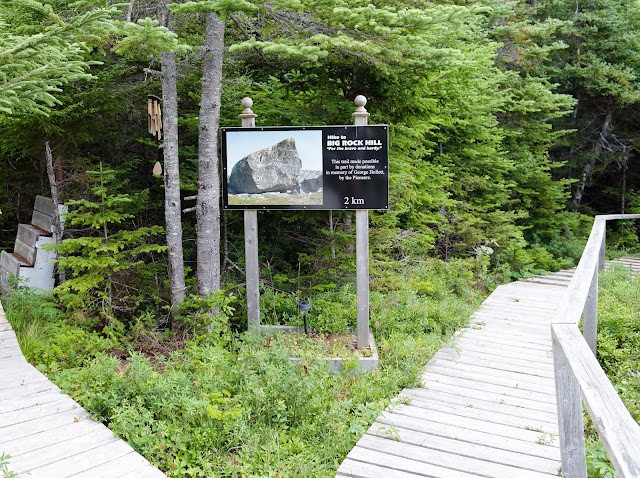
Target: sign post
x: 307, y: 167
x: 251, y: 240
x: 361, y: 118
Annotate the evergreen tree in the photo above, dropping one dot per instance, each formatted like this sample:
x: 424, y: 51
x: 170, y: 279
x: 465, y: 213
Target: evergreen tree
x: 469, y: 139
x: 601, y: 68
x: 94, y: 261
x: 40, y: 52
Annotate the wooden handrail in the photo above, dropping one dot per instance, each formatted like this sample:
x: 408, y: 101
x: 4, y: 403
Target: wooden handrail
x: 579, y: 377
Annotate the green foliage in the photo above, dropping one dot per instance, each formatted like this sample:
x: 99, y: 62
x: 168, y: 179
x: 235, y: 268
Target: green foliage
x: 4, y: 467
x: 206, y: 319
x: 226, y: 404
x: 221, y: 6
x: 598, y: 464
x: 600, y: 67
x: 618, y: 353
x: 40, y: 52
x: 413, y: 299
x: 44, y: 338
x: 177, y: 417
x: 624, y: 237
x: 572, y: 233
x: 468, y: 167
x: 93, y: 261
x: 143, y: 39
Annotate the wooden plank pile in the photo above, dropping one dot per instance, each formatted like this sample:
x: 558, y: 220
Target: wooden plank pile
x: 29, y: 260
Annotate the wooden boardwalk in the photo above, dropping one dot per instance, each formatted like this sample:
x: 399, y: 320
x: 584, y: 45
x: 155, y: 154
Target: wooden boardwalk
x: 47, y: 434
x: 488, y: 406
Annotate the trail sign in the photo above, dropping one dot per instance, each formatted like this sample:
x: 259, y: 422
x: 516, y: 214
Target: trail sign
x: 310, y: 167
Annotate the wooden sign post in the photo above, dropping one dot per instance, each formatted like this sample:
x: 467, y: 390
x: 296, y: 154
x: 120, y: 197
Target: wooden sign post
x: 306, y: 167
x: 361, y: 118
x: 251, y: 240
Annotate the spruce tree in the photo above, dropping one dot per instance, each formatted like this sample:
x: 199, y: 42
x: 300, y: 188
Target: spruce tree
x: 94, y: 261
x: 40, y: 52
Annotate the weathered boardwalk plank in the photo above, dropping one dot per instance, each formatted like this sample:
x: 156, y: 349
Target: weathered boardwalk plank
x: 47, y: 434
x: 488, y: 405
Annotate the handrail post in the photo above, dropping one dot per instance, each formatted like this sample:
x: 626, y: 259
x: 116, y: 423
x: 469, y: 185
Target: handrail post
x: 590, y: 315
x: 601, y: 258
x: 570, y: 421
x: 590, y: 312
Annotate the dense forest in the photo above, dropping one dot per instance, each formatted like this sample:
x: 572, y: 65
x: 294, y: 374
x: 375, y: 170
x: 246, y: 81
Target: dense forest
x: 511, y: 124
x: 509, y: 121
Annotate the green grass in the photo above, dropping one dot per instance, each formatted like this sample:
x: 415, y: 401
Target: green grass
x: 618, y: 353
x: 314, y: 199
x: 226, y: 404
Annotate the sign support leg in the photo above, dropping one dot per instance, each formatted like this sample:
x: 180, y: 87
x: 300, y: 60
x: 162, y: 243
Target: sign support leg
x: 252, y: 269
x: 361, y: 118
x: 362, y: 277
x: 251, y: 241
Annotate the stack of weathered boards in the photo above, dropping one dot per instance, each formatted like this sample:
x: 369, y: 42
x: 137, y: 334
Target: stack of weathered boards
x: 29, y: 260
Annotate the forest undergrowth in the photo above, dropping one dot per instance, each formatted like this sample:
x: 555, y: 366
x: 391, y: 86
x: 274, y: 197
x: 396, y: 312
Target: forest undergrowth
x: 198, y: 402
x: 207, y: 398
x: 618, y: 354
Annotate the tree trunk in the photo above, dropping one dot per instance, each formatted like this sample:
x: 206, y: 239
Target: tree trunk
x: 56, y: 197
x: 588, y: 168
x: 208, y: 203
x: 586, y: 173
x: 172, y: 207
x: 130, y: 11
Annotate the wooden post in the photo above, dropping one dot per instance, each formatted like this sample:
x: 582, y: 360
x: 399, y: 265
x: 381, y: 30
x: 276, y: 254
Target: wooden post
x: 571, y: 428
x: 602, y: 247
x: 590, y: 312
x: 251, y: 240
x: 590, y: 315
x: 361, y: 118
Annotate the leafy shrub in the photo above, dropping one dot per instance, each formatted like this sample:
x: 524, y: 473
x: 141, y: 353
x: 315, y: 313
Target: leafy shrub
x: 618, y: 353
x: 206, y: 318
x: 45, y: 338
x: 4, y: 467
x: 567, y: 243
x: 598, y: 464
x: 622, y: 237
x: 226, y: 405
x: 174, y: 413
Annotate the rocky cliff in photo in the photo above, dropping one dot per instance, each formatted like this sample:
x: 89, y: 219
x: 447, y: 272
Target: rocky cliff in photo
x: 310, y: 181
x: 271, y: 169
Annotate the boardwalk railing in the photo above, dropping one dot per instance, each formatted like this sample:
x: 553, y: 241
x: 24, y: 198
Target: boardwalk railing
x: 579, y: 377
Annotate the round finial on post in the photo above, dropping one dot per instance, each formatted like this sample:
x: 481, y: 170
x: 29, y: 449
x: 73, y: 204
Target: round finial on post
x: 361, y: 114
x: 247, y: 103
x: 247, y: 115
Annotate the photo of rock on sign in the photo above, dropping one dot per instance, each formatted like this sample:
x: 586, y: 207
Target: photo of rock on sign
x: 274, y: 168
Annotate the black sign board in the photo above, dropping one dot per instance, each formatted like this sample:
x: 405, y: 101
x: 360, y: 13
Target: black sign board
x: 309, y: 167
